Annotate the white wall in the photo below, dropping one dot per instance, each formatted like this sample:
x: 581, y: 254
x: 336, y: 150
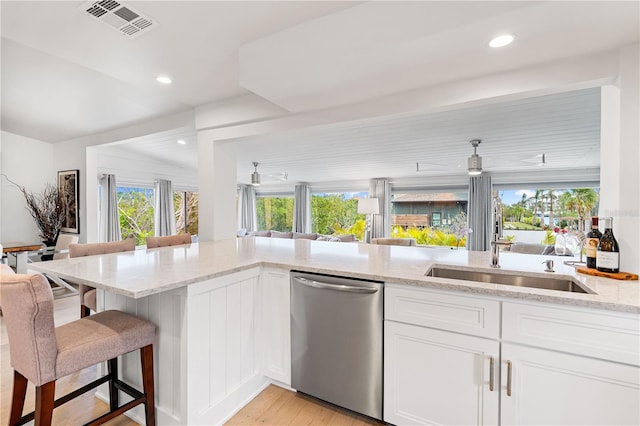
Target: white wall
x: 29, y: 163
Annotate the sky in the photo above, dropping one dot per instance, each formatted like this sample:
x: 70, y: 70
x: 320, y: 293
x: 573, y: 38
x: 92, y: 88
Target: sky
x: 510, y: 197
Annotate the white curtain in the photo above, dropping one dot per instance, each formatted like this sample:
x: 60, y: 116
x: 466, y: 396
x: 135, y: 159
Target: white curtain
x: 247, y: 217
x: 109, y: 215
x: 479, y: 215
x: 164, y: 216
x: 381, y: 223
x: 302, y: 208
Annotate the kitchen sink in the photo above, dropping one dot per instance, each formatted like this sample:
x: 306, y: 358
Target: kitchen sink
x: 506, y: 278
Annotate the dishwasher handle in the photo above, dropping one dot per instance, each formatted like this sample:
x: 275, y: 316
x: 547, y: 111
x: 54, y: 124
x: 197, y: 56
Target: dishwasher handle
x: 338, y: 287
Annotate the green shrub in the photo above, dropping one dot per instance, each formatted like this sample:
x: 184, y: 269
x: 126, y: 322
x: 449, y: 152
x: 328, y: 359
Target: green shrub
x: 550, y: 237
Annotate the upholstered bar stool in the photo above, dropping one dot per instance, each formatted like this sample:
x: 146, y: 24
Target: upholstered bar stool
x: 42, y: 353
x: 87, y: 293
x: 169, y: 240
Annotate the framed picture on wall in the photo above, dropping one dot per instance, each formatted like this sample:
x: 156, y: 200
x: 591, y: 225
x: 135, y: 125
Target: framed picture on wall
x: 69, y: 186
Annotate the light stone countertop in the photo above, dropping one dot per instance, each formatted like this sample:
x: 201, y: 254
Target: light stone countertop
x: 141, y: 273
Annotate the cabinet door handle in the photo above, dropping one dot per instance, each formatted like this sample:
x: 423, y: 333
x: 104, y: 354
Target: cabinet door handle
x: 508, y: 378
x: 491, y: 362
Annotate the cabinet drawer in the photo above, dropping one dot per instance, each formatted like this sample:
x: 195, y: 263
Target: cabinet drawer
x: 601, y: 334
x: 443, y: 310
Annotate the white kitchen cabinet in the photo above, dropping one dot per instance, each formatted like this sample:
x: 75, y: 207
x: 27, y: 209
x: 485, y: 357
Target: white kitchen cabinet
x: 584, y: 370
x: 553, y: 364
x: 439, y: 377
x: 277, y: 325
x: 552, y: 388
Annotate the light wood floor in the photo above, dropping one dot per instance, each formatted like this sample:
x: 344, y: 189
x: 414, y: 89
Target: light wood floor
x: 273, y: 406
x: 277, y: 406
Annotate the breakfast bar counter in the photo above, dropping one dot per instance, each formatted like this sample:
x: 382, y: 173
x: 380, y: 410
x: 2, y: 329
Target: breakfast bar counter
x: 145, y: 272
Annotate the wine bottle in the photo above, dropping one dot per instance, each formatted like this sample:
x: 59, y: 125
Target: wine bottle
x: 593, y: 239
x: 608, y: 254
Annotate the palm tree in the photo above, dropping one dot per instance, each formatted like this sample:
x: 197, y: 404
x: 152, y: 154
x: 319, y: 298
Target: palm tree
x: 581, y: 201
x: 538, y: 204
x: 523, y: 205
x: 551, y: 196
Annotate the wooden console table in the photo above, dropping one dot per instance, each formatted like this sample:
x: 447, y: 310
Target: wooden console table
x: 21, y: 251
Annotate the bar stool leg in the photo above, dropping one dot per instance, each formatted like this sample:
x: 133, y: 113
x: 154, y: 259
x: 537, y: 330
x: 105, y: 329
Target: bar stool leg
x: 112, y: 366
x: 18, y: 396
x: 146, y: 359
x: 44, y: 403
x: 84, y: 311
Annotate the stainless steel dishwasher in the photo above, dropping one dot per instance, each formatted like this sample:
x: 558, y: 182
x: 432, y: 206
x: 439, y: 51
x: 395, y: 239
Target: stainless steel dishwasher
x: 336, y: 340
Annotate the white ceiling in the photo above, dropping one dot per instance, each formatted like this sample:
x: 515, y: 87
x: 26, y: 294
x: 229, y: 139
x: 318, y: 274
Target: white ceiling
x: 565, y: 127
x: 64, y: 75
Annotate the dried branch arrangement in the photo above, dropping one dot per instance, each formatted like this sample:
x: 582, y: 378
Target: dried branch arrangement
x: 47, y: 209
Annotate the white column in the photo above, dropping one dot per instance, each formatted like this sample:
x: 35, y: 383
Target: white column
x: 629, y: 207
x: 620, y: 157
x: 216, y: 188
x: 609, y: 151
x: 90, y: 178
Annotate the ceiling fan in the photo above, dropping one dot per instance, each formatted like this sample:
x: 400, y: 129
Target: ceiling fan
x: 256, y: 177
x: 475, y: 161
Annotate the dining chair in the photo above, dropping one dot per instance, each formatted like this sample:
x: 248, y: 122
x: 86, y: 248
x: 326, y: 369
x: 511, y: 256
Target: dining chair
x: 169, y: 240
x: 41, y: 353
x: 61, y: 250
x: 394, y: 241
x: 88, y: 296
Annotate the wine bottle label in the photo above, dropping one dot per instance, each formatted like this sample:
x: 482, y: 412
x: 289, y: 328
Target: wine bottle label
x: 592, y: 247
x: 607, y: 259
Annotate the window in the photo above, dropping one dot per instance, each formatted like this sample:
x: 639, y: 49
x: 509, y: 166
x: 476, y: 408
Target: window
x: 531, y: 215
x: 436, y: 219
x: 337, y: 213
x: 275, y: 213
x: 135, y: 206
x: 186, y: 209
x: 431, y: 218
x: 331, y: 213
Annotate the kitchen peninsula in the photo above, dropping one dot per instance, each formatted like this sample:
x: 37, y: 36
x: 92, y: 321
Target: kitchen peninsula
x: 222, y: 310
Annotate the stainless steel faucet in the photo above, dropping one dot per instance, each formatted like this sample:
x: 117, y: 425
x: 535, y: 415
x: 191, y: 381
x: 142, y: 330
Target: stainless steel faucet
x: 495, y: 250
x: 496, y: 236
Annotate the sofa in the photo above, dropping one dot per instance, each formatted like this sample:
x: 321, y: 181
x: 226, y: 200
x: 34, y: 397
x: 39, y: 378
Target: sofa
x: 531, y: 248
x: 347, y: 238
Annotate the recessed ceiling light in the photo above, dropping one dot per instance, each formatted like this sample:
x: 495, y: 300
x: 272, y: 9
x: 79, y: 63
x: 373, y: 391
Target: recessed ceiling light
x: 501, y: 41
x: 163, y: 79
x: 181, y: 142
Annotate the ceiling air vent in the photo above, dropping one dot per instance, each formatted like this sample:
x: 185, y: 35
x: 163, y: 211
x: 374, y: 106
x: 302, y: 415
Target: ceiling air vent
x: 123, y: 19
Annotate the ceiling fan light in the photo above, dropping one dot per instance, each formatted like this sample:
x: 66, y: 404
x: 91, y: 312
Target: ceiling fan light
x: 474, y: 163
x: 255, y: 176
x: 255, y: 179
